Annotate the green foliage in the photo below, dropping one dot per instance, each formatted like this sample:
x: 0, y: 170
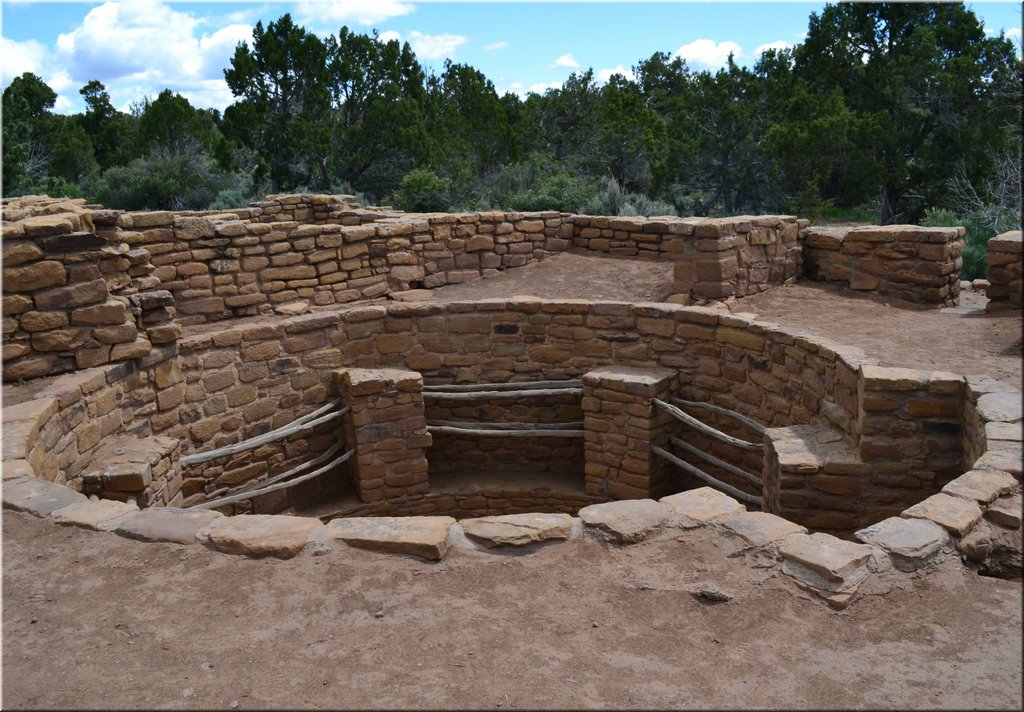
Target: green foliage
x: 422, y: 192
x: 611, y: 199
x: 164, y: 181
x: 280, y: 82
x: 925, y: 86
x: 535, y: 183
x: 885, y: 108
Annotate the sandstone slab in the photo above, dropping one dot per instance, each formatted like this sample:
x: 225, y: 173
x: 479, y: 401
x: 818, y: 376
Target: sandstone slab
x: 628, y: 521
x: 911, y: 543
x: 292, y: 308
x: 982, y: 486
x: 1005, y: 407
x: 101, y: 515
x: 18, y: 469
x: 517, y: 529
x: 760, y: 528
x: 702, y: 505
x: 1006, y: 512
x: 825, y: 562
x: 425, y: 537
x: 1003, y: 456
x: 259, y: 535
x: 171, y: 524
x: 39, y: 497
x: 954, y: 514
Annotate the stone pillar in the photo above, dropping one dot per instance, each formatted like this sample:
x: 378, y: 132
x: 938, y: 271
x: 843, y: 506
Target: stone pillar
x: 1004, y: 272
x: 910, y: 427
x: 388, y: 429
x: 621, y: 424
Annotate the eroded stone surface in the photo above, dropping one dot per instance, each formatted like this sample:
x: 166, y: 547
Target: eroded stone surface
x: 517, y: 529
x: 1010, y: 432
x: 1006, y: 512
x: 955, y: 514
x: 39, y: 497
x: 824, y: 561
x: 171, y: 524
x: 981, y: 485
x: 426, y: 537
x: 702, y: 505
x: 760, y: 528
x: 910, y: 543
x: 1004, y: 456
x: 1005, y: 407
x: 17, y: 469
x: 259, y: 535
x: 627, y: 521
x: 292, y: 308
x: 101, y: 515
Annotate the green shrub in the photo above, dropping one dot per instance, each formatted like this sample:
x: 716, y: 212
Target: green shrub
x: 163, y: 182
x: 421, y: 192
x: 533, y: 184
x: 611, y: 199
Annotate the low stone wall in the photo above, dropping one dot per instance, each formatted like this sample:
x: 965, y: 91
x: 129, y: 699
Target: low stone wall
x: 219, y: 269
x: 918, y: 264
x: 1005, y: 264
x: 715, y: 258
x: 73, y: 299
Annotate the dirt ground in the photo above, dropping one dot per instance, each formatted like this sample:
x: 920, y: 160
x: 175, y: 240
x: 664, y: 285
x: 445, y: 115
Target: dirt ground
x: 91, y: 620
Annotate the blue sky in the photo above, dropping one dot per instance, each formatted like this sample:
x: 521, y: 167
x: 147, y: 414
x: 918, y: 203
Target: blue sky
x: 139, y: 47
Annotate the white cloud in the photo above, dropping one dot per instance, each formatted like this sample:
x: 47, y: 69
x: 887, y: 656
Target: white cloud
x: 522, y: 91
x: 495, y: 46
x: 146, y: 39
x: 777, y: 45
x: 603, y: 75
x: 340, y: 12
x: 435, y: 46
x: 1013, y: 34
x: 427, y: 46
x: 566, y: 61
x: 20, y: 57
x: 708, y: 54
x: 136, y: 48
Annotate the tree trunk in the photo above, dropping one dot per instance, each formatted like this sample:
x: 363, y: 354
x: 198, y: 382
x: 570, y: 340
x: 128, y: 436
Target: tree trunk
x: 887, y: 211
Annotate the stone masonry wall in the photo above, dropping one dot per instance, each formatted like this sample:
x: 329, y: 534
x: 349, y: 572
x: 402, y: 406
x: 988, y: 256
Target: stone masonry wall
x: 919, y: 264
x: 715, y: 258
x: 222, y: 268
x: 468, y: 454
x: 1005, y: 265
x: 72, y: 298
x: 243, y: 380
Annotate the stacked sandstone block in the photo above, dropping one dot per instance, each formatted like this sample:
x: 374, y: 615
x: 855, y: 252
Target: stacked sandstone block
x: 57, y: 435
x: 814, y: 477
x: 715, y: 258
x: 236, y: 384
x: 143, y: 471
x: 621, y: 426
x: 218, y: 269
x: 388, y: 430
x: 919, y: 264
x: 909, y: 423
x: 472, y: 454
x: 1005, y: 264
x: 71, y: 296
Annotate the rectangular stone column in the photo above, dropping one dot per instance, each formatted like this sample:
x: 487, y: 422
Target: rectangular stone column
x: 621, y: 425
x: 388, y: 429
